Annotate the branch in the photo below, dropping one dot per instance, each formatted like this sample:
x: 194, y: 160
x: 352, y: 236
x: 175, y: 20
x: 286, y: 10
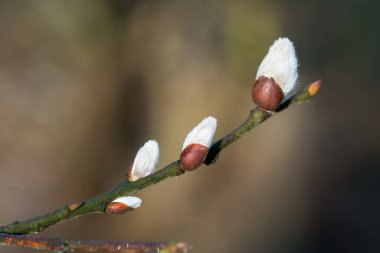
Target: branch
x: 64, y: 245
x: 99, y: 203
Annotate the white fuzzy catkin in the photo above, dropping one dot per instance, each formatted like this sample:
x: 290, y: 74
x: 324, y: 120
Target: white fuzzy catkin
x: 203, y: 133
x: 145, y: 161
x: 281, y: 64
x: 131, y: 201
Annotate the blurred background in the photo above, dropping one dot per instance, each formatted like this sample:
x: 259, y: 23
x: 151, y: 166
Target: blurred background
x: 83, y: 84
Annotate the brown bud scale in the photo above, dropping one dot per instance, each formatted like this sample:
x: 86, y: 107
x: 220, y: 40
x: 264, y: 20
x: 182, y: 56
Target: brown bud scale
x: 117, y: 208
x: 193, y: 156
x: 267, y: 93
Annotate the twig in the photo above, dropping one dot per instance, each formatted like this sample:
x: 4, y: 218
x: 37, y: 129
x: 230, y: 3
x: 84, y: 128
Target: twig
x: 99, y: 203
x: 64, y: 245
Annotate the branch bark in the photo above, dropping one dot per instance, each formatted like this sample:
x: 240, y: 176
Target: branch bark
x: 65, y: 245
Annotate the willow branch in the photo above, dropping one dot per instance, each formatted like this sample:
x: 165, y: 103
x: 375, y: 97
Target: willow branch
x: 99, y: 203
x: 64, y: 245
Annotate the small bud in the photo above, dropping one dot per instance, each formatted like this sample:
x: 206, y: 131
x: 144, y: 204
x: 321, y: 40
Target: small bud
x: 276, y: 76
x: 74, y: 206
x: 314, y: 88
x: 145, y: 161
x: 123, y: 204
x: 197, y: 144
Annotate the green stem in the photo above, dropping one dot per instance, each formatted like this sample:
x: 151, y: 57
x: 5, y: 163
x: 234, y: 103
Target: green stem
x: 99, y: 203
x: 256, y: 117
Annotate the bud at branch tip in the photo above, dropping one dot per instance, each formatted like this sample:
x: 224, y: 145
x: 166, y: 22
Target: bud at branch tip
x: 314, y: 88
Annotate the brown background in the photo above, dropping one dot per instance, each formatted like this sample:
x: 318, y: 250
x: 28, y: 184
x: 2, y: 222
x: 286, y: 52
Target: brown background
x: 83, y: 84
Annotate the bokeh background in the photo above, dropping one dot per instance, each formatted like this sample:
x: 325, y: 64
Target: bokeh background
x: 83, y: 84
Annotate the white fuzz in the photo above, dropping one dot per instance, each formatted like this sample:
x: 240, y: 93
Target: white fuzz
x: 281, y: 64
x: 131, y: 201
x: 145, y: 161
x: 202, y: 134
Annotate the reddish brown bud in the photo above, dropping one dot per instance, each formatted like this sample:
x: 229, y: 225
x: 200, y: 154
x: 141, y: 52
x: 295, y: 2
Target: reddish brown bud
x: 117, y: 208
x: 267, y: 93
x: 193, y: 156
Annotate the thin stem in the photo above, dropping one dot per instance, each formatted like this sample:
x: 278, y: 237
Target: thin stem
x: 67, y: 245
x: 256, y: 117
x: 99, y: 203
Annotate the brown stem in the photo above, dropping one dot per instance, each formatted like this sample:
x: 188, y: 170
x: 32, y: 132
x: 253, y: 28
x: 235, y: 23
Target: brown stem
x: 66, y: 245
